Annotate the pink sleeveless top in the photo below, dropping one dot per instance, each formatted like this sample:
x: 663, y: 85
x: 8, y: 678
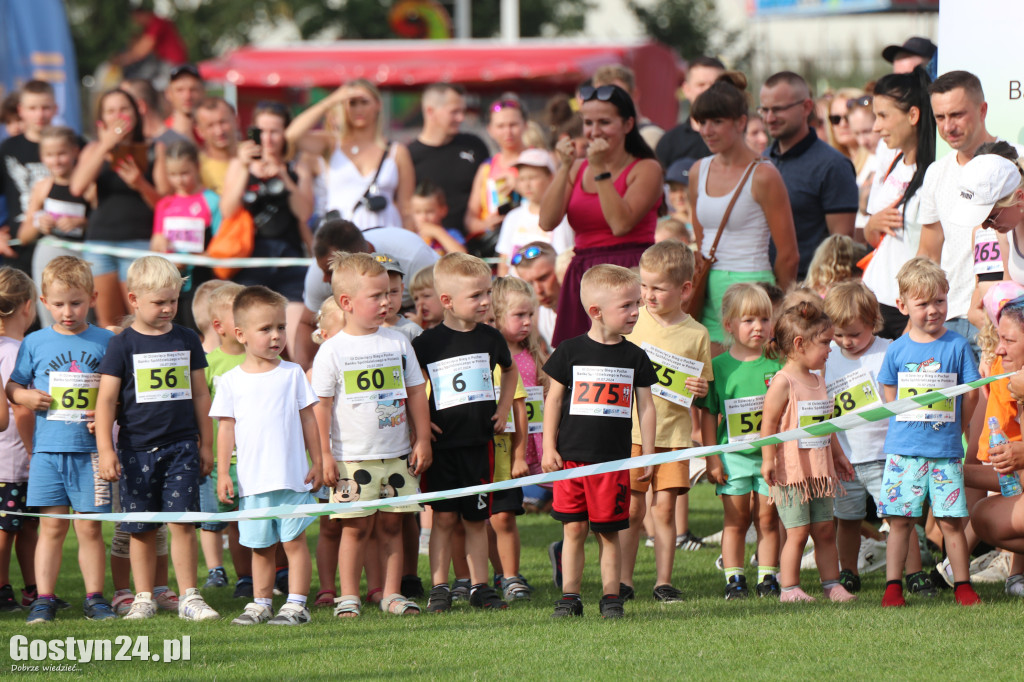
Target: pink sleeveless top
x: 588, y: 222
x: 534, y: 441
x: 804, y: 467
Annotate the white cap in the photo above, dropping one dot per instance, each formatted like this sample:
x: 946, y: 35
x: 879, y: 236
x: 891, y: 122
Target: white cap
x: 984, y: 181
x: 538, y: 158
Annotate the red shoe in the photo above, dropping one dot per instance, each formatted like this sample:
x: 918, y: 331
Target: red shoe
x: 965, y: 595
x: 893, y: 595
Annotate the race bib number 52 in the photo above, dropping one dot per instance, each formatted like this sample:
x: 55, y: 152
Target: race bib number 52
x: 162, y: 376
x: 602, y: 391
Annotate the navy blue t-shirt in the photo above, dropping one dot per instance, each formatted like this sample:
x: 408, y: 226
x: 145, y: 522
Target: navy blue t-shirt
x: 156, y: 394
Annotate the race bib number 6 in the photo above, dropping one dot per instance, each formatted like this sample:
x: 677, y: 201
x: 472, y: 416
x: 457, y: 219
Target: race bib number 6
x: 162, y: 376
x: 461, y: 380
x: 916, y: 383
x: 602, y: 391
x: 73, y: 395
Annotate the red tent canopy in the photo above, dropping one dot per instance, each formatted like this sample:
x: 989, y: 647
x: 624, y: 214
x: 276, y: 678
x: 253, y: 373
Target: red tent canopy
x: 406, y: 64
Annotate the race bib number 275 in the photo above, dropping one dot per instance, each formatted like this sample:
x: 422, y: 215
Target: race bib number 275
x: 602, y: 391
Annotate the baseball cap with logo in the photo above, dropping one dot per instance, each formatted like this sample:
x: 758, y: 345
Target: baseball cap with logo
x: 984, y: 181
x: 679, y: 171
x: 538, y: 158
x: 389, y: 263
x: 922, y: 47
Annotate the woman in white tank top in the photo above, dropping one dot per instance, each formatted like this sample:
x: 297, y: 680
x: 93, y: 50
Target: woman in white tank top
x: 761, y: 212
x: 355, y: 149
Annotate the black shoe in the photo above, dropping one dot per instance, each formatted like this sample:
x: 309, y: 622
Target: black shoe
x: 626, y: 592
x: 7, y: 601
x: 484, y: 597
x: 736, y: 588
x: 412, y: 587
x: 568, y: 606
x: 850, y: 580
x: 440, y: 599
x: 611, y: 607
x: 281, y: 582
x: 921, y: 585
x: 937, y: 582
x: 243, y: 588
x: 769, y: 587
x: 666, y: 594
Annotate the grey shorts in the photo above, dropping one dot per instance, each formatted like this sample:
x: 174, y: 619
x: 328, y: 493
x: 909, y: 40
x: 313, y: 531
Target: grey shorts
x: 867, y: 480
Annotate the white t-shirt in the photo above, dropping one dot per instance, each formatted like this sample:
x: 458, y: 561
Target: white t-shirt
x: 521, y: 227
x: 546, y: 323
x: 864, y: 443
x: 938, y: 197
x: 268, y: 430
x: 893, y: 252
x: 367, y: 377
x: 407, y: 328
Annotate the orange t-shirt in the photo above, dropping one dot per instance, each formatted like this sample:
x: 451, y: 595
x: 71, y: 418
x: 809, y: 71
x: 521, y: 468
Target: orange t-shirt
x: 1003, y: 407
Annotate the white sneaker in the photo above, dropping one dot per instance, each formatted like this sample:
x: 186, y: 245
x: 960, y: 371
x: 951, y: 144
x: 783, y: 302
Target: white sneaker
x: 981, y: 563
x: 291, y: 614
x: 1014, y: 585
x: 808, y: 561
x: 649, y: 542
x: 996, y: 572
x: 254, y: 614
x: 424, y: 543
x: 871, y: 556
x: 713, y: 539
x: 946, y: 571
x: 193, y: 607
x: 142, y: 607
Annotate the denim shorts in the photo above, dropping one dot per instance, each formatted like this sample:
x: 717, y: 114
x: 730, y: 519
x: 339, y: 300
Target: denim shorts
x: 260, y: 533
x: 867, y: 480
x: 163, y: 479
x: 907, y: 480
x: 208, y: 502
x: 103, y: 264
x: 68, y: 480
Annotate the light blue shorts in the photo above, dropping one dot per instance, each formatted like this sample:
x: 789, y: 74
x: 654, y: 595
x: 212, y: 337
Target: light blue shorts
x: 58, y: 480
x: 908, y: 479
x: 260, y: 533
x: 102, y: 264
x: 867, y: 480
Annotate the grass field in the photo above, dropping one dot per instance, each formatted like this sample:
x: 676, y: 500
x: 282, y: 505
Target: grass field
x: 703, y: 638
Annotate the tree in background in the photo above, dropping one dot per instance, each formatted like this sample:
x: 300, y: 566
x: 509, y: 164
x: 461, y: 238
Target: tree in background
x: 692, y: 27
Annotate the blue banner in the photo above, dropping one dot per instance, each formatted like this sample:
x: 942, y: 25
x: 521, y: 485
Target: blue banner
x: 35, y: 44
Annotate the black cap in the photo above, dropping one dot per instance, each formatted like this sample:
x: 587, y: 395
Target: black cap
x: 184, y: 70
x: 679, y: 170
x: 922, y: 47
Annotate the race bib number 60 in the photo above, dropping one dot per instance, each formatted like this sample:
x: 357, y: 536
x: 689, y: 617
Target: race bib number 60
x: 162, y: 376
x: 602, y: 391
x: 372, y: 378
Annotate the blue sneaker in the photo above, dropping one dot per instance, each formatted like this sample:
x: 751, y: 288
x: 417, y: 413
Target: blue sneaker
x: 42, y: 611
x: 216, y: 577
x: 555, y: 554
x: 98, y: 608
x: 243, y: 588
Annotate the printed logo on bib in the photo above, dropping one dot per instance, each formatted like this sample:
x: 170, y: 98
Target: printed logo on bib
x: 162, y: 376
x: 811, y: 412
x: 58, y: 209
x: 853, y: 392
x: 185, y: 234
x: 988, y: 257
x: 925, y: 378
x: 74, y: 394
x: 743, y: 418
x: 672, y: 371
x: 461, y: 380
x: 373, y: 378
x: 535, y: 408
x: 602, y: 391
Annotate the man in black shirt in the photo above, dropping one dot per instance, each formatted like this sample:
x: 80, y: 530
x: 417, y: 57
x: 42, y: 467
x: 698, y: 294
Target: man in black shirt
x: 445, y: 156
x: 684, y: 140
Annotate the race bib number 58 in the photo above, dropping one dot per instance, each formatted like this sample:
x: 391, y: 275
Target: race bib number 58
x: 162, y: 376
x: 602, y: 391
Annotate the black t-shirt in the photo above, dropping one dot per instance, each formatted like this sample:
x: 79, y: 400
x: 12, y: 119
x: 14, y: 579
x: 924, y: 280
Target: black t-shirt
x: 121, y: 212
x: 267, y: 200
x: 162, y: 365
x: 597, y: 411
x: 679, y: 143
x: 63, y: 194
x: 459, y: 366
x: 451, y: 167
x: 20, y: 169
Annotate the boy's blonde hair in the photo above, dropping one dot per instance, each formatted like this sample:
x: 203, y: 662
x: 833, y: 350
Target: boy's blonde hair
x: 223, y: 298
x: 673, y: 229
x: 348, y: 267
x: 850, y: 302
x: 605, y: 277
x: 742, y: 299
x: 152, y: 273
x: 921, y: 277
x: 71, y: 271
x: 833, y: 262
x: 329, y: 310
x: 455, y: 265
x: 424, y: 279
x: 253, y: 297
x: 670, y: 258
x: 202, y: 303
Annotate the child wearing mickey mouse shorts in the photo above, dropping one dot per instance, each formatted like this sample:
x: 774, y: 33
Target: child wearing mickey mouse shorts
x: 372, y: 399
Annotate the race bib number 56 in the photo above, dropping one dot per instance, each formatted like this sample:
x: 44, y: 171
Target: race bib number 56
x: 162, y: 376
x: 602, y: 391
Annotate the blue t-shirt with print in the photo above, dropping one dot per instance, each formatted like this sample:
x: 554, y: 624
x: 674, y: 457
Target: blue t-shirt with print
x: 156, y: 394
x: 948, y: 354
x: 47, y: 351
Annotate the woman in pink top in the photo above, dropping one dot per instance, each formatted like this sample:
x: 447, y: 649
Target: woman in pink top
x: 611, y: 198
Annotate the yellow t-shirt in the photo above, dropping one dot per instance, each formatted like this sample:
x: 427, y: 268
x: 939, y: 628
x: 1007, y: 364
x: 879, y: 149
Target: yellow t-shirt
x: 688, y: 339
x: 503, y: 441
x: 212, y: 172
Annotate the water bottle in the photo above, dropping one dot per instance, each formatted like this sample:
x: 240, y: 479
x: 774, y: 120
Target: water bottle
x: 1009, y: 484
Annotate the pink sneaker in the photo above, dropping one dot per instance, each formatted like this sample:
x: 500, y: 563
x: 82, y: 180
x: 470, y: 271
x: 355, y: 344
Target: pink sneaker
x: 122, y: 602
x: 167, y: 601
x: 838, y: 593
x: 795, y: 595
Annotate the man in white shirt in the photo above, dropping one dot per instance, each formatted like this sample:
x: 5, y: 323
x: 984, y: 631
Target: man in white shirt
x: 536, y: 265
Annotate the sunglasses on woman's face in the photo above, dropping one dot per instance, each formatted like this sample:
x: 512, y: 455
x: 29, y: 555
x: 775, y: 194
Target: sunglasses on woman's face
x: 836, y: 119
x: 526, y: 254
x: 602, y: 94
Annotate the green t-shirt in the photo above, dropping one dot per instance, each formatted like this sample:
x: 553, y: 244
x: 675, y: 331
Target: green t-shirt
x: 734, y: 381
x: 219, y: 363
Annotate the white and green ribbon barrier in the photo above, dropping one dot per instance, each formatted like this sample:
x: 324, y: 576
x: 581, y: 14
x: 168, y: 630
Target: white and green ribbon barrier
x: 843, y: 423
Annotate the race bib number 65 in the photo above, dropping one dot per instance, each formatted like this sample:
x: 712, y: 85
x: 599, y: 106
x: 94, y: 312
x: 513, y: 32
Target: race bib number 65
x: 74, y: 394
x: 162, y: 376
x: 602, y: 391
